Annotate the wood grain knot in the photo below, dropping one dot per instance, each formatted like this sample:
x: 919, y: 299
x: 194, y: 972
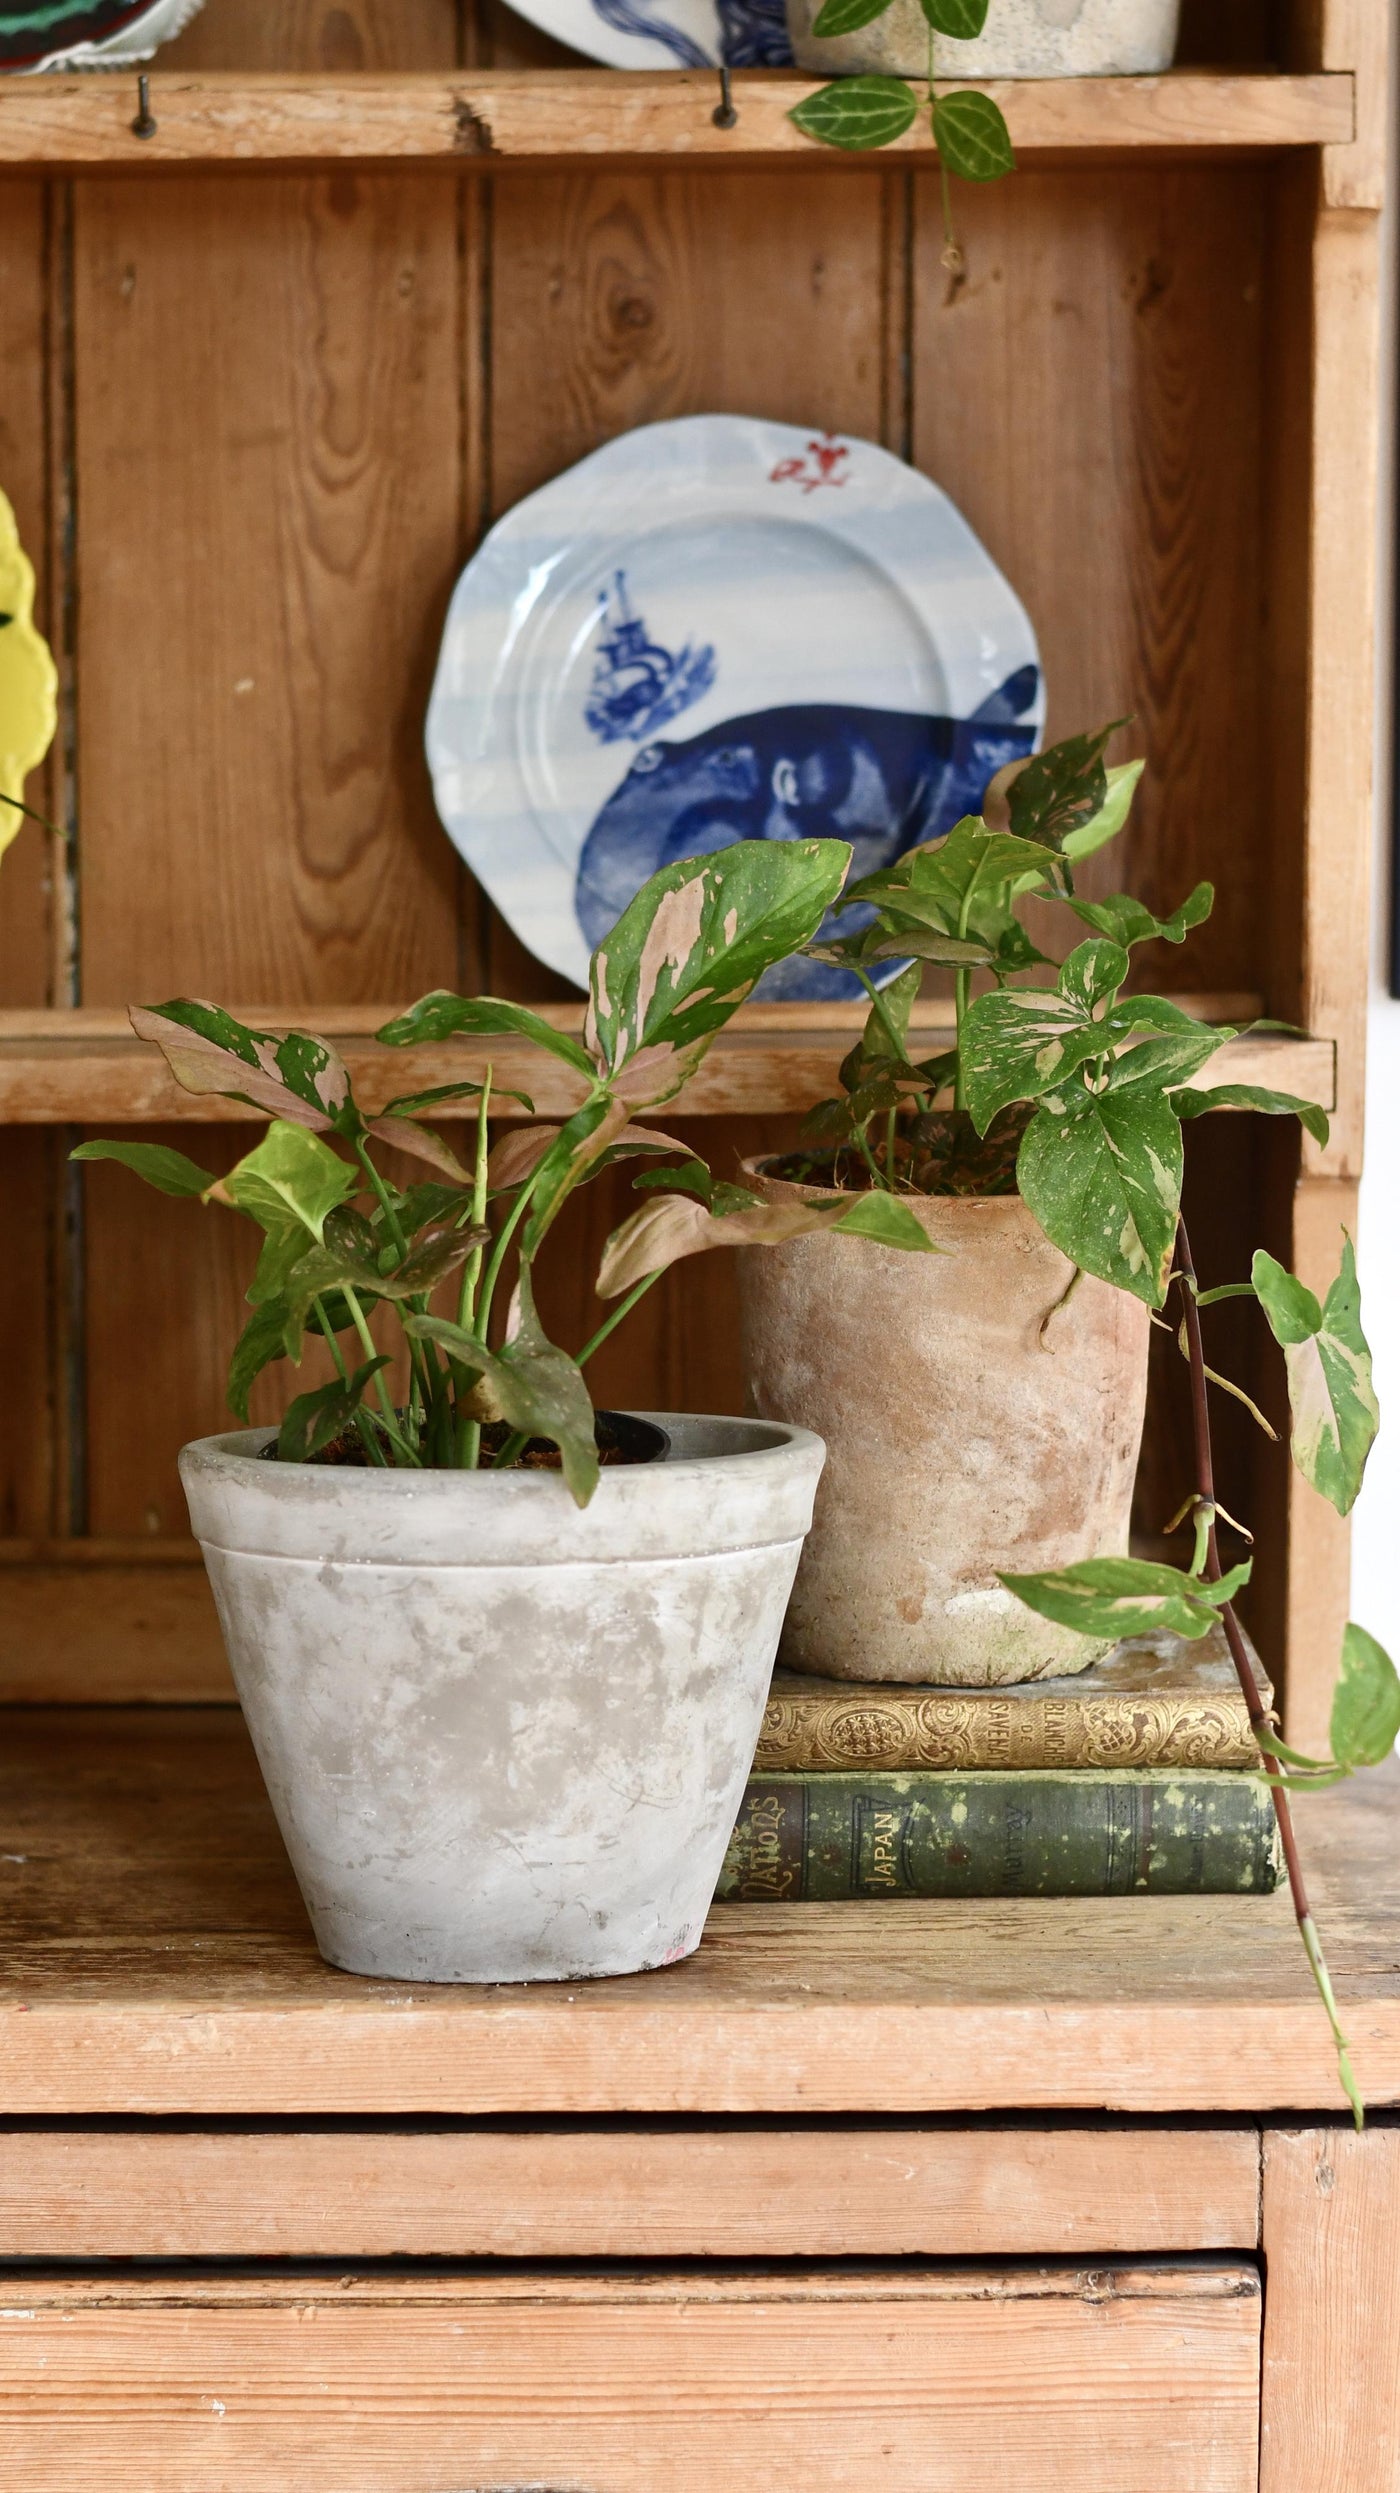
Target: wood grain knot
x: 472, y: 134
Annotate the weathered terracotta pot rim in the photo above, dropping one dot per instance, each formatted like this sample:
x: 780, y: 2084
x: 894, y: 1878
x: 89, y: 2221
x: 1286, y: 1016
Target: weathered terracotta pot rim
x: 757, y: 1170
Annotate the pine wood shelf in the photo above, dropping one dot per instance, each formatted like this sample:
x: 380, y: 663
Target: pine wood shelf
x: 86, y: 1067
x: 490, y: 118
x: 149, y: 1969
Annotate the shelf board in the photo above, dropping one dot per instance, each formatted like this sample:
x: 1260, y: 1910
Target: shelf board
x: 149, y: 1969
x: 86, y: 1068
x: 490, y: 118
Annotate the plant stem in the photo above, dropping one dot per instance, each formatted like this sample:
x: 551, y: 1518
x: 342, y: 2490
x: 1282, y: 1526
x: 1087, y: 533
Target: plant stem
x: 418, y: 1359
x: 471, y: 1270
x: 962, y: 984
x: 467, y: 1442
x: 1244, y: 1669
x: 357, y: 1318
x: 881, y: 1010
x: 363, y: 1423
x: 610, y: 1323
x: 498, y: 1253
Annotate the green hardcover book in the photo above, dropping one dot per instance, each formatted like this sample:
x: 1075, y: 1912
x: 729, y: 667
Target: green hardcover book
x: 818, y: 1836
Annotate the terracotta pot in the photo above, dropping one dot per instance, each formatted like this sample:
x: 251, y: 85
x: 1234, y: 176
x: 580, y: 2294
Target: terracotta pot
x: 1021, y: 39
x: 972, y: 1425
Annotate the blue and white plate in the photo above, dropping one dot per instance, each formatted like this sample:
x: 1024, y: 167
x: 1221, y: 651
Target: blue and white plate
x: 668, y: 34
x: 89, y: 34
x: 717, y: 630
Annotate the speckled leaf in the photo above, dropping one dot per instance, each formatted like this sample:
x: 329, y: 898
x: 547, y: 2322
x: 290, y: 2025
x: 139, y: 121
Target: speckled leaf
x: 168, y: 1171
x: 443, y: 1015
x: 1105, y: 1185
x: 930, y: 886
x: 1250, y: 1095
x: 1366, y: 1706
x: 1126, y: 921
x: 420, y: 1143
x: 1085, y: 838
x: 1115, y: 1597
x: 856, y: 113
x: 1335, y: 1412
x: 314, y: 1419
x: 296, y: 1077
x: 691, y: 946
x: 539, y: 1389
x: 1063, y: 790
x: 677, y: 1225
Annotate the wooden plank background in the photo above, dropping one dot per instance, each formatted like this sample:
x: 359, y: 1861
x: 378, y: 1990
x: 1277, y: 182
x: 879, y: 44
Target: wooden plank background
x: 254, y: 425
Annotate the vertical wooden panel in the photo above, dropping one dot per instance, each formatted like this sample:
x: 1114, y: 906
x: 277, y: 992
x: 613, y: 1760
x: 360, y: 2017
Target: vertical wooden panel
x: 1345, y: 334
x: 1091, y: 399
x: 268, y: 491
x: 618, y: 301
x: 333, y: 35
x: 269, y: 477
x: 1331, y: 2382
x: 31, y: 880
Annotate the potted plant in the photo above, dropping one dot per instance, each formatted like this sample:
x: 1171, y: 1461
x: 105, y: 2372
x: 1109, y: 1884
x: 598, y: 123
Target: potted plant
x: 1063, y: 1132
x: 503, y: 1662
x: 982, y: 1410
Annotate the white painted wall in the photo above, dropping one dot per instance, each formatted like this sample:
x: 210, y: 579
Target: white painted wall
x: 1375, y: 1597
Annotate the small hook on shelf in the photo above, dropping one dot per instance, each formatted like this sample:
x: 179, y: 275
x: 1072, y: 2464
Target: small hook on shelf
x: 145, y: 125
x: 724, y: 115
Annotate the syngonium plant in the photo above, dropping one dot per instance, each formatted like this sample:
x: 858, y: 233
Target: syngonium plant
x: 340, y: 1236
x: 1073, y: 1092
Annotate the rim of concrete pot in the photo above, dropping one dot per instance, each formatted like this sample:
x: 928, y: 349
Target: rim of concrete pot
x: 705, y: 1493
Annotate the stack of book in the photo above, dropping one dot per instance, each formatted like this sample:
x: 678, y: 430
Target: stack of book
x: 1138, y: 1776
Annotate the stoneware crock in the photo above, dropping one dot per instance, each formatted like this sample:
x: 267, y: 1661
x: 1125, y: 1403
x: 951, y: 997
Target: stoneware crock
x: 506, y: 1738
x: 1021, y: 39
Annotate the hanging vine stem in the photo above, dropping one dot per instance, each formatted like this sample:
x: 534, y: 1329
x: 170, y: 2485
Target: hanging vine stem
x: 1239, y: 1653
x: 951, y: 255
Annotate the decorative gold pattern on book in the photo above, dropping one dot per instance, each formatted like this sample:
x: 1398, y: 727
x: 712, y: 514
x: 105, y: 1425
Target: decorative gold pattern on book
x: 1153, y: 1701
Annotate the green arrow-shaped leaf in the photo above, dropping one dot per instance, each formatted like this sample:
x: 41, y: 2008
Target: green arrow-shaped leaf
x: 1335, y: 1412
x: 1117, y: 1597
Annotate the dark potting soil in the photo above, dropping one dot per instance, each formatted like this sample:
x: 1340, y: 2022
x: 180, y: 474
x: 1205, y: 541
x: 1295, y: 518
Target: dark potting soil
x: 620, y: 1439
x: 940, y: 1154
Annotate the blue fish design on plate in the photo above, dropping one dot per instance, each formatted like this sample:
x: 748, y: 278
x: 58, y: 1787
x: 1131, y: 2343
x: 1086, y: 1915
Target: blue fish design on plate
x: 886, y: 780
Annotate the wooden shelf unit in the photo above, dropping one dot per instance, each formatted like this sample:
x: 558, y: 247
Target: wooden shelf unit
x: 490, y: 119
x: 265, y: 388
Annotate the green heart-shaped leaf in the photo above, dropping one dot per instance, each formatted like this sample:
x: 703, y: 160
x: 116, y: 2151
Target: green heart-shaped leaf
x: 856, y: 113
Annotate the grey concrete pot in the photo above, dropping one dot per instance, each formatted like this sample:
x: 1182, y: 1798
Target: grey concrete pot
x: 969, y: 1430
x: 1021, y: 39
x: 506, y: 1739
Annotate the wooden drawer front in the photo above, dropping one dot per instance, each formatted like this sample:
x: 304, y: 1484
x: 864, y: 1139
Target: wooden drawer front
x: 1063, y: 2193
x: 1051, y: 2381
